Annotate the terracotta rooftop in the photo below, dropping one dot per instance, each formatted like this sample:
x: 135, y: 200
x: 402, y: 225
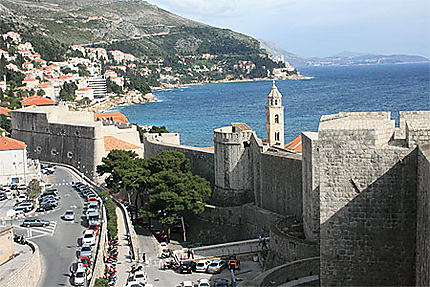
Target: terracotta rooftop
x: 45, y: 85
x: 4, y: 111
x: 8, y: 143
x: 295, y: 144
x: 209, y: 148
x: 112, y: 143
x: 37, y: 101
x: 116, y: 117
x: 84, y: 89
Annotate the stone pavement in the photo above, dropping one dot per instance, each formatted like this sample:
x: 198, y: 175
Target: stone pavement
x: 124, y: 262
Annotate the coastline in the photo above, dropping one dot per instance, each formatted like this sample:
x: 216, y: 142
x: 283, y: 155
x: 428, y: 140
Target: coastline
x: 115, y: 103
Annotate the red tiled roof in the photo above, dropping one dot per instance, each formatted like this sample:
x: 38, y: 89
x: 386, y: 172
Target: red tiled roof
x: 29, y: 80
x: 8, y: 143
x: 295, y: 144
x: 45, y: 85
x: 37, y: 101
x: 112, y: 143
x: 4, y: 111
x: 84, y: 89
x: 116, y: 117
x: 209, y: 148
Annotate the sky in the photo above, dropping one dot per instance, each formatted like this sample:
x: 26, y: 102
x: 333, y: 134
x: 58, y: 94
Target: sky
x: 319, y: 27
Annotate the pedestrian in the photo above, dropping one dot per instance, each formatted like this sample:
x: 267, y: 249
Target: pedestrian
x: 189, y: 253
x: 130, y: 255
x: 143, y: 257
x: 260, y: 240
x: 192, y: 253
x: 264, y: 246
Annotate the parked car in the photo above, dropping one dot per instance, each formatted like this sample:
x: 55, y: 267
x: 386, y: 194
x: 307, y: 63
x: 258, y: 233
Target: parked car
x: 216, y: 266
x: 45, y: 207
x: 86, y: 250
x: 203, y: 283
x: 202, y: 265
x: 51, y: 201
x: 187, y: 267
x: 89, y: 237
x: 221, y: 283
x: 35, y: 221
x: 69, y: 215
x: 187, y: 284
x: 25, y: 205
x: 3, y: 196
x: 21, y: 198
x: 135, y: 284
x: 140, y: 276
x: 79, y: 276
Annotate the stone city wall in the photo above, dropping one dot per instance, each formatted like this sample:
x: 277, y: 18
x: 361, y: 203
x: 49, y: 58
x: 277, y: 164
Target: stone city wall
x: 367, y: 210
x: 225, y: 224
x: 202, y: 161
x: 281, y: 183
x: 423, y: 218
x: 288, y: 243
x: 27, y: 274
x: 310, y: 182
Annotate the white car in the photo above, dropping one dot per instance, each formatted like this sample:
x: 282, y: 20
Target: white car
x: 203, y: 283
x: 69, y: 215
x: 187, y: 284
x: 202, y: 265
x: 79, y: 275
x: 22, y: 198
x: 140, y: 276
x: 89, y: 237
x: 134, y: 284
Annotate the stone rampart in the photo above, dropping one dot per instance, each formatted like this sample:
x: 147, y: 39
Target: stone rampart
x: 367, y: 206
x: 27, y: 274
x: 288, y: 243
x: 302, y: 272
x: 202, y: 161
x: 423, y: 218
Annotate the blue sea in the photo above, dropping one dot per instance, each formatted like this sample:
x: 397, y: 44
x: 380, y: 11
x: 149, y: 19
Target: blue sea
x: 195, y: 112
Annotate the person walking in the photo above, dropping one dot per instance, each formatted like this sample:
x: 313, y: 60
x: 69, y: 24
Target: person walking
x: 143, y: 257
x: 192, y: 253
x: 260, y: 240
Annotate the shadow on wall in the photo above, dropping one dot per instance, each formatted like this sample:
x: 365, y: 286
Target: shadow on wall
x: 371, y: 240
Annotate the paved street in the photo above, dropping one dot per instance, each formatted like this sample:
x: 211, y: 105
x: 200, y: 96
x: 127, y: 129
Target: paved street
x: 58, y: 242
x: 169, y: 278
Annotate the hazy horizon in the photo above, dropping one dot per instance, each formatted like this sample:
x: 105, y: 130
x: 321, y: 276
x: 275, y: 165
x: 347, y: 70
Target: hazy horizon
x: 312, y: 28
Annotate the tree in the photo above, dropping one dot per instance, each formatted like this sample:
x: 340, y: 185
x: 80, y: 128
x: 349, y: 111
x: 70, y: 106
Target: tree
x: 33, y: 189
x: 100, y: 282
x: 40, y: 93
x: 5, y: 123
x: 175, y: 194
x: 157, y: 130
x: 169, y: 160
x: 67, y: 92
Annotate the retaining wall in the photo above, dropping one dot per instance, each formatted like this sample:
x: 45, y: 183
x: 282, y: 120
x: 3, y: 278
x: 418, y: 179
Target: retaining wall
x: 225, y: 224
x: 289, y: 272
x: 288, y: 243
x: 238, y: 247
x: 28, y: 274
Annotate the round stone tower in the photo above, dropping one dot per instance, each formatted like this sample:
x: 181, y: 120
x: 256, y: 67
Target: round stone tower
x: 233, y: 167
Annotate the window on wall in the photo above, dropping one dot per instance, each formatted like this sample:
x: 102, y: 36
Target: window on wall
x: 276, y: 119
x: 276, y: 102
x: 276, y: 136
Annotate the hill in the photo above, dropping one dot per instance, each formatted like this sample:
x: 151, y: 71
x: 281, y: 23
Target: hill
x: 343, y: 58
x: 144, y: 30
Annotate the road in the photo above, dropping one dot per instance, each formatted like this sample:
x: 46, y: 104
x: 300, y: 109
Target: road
x: 58, y: 242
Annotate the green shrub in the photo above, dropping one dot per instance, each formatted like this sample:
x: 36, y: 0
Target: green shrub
x: 101, y: 283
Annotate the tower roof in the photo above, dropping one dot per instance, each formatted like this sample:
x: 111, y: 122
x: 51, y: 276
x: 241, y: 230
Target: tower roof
x: 274, y: 92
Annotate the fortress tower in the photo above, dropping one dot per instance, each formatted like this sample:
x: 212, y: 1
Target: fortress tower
x: 275, y: 118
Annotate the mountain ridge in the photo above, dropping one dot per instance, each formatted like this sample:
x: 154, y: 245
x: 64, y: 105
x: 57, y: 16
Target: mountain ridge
x: 342, y: 58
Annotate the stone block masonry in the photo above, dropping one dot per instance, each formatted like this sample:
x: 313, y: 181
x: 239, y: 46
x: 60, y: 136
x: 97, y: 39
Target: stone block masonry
x: 423, y: 218
x: 368, y: 198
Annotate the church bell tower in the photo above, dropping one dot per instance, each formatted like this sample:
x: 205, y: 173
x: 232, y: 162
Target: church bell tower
x: 275, y: 118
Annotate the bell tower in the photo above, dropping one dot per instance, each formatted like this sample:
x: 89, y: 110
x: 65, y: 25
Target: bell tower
x: 275, y: 118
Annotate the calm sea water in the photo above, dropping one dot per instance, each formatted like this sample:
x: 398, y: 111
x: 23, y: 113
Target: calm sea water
x: 195, y: 112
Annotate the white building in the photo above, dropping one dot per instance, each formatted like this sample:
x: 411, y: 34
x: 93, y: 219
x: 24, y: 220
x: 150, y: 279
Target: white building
x: 84, y: 93
x: 98, y: 84
x: 13, y: 161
